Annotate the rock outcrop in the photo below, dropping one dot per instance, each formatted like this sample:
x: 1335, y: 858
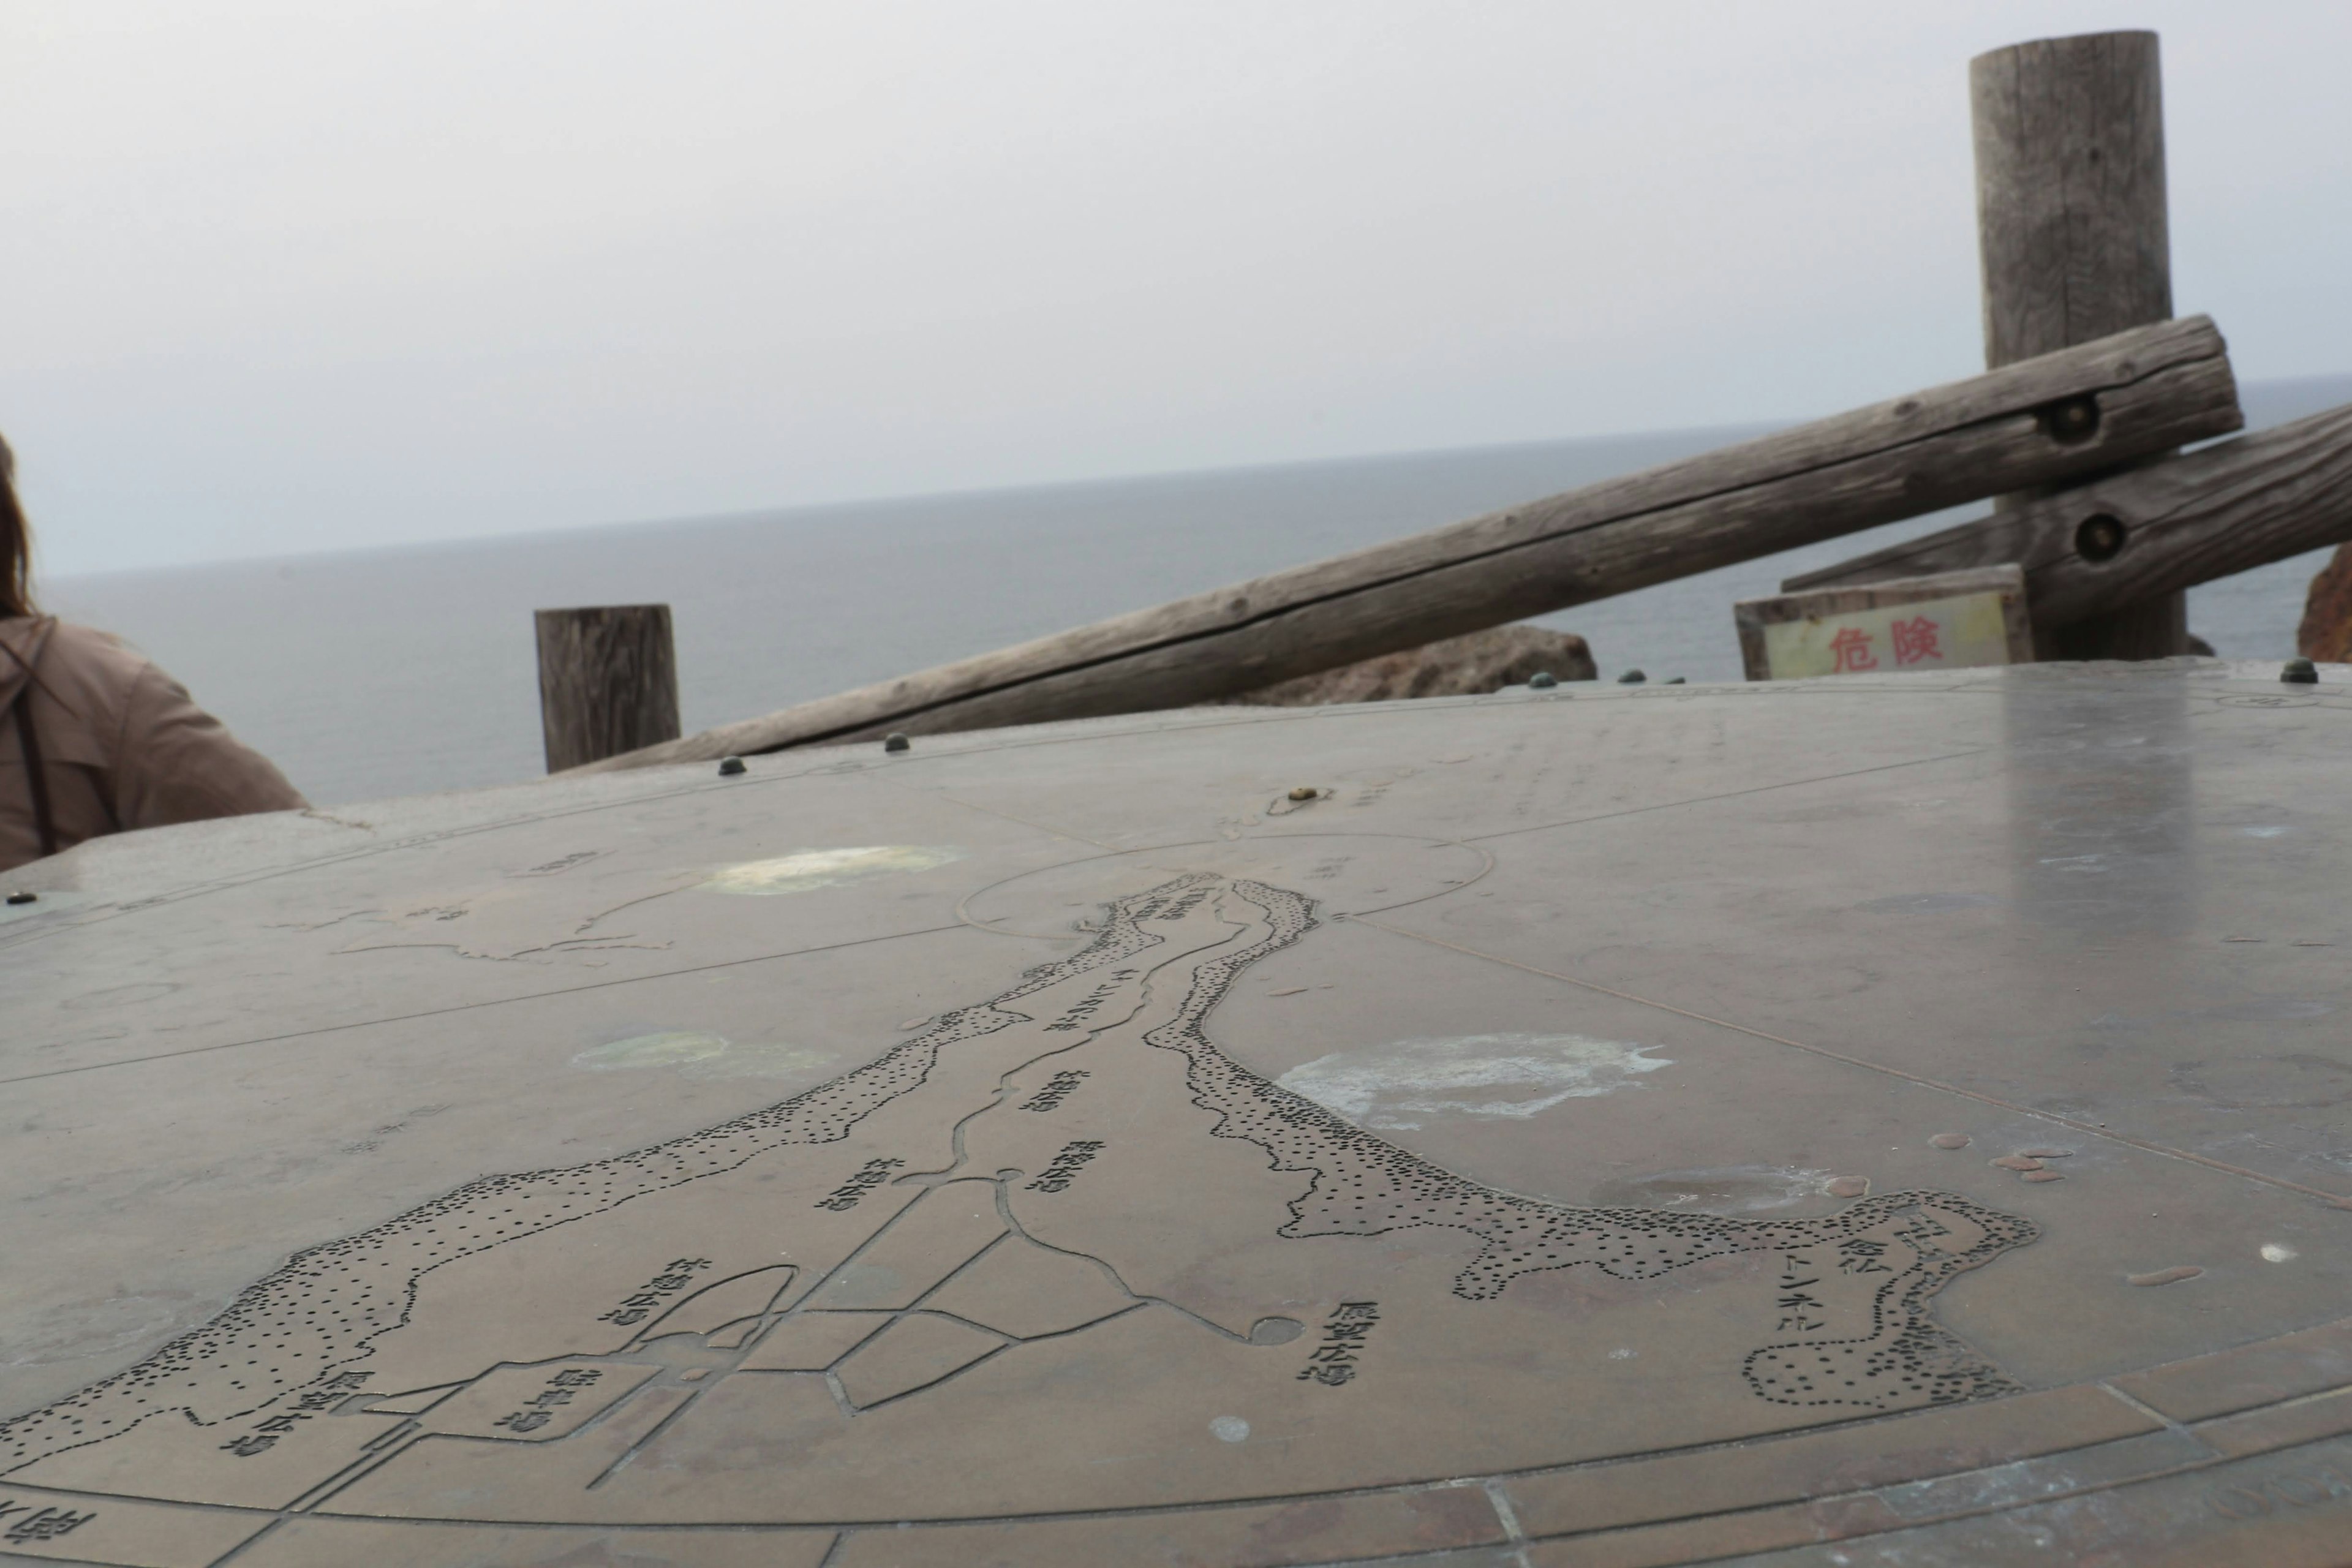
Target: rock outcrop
x: 1458, y: 667
x: 2326, y: 633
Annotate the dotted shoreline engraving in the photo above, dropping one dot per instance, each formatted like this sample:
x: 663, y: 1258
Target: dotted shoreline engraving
x: 320, y: 1311
x: 1364, y: 1185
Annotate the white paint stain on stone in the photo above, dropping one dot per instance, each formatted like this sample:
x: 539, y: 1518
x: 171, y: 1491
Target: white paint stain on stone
x: 1510, y: 1076
x: 2277, y: 1252
x: 693, y: 1054
x: 1230, y: 1428
x: 805, y: 869
x: 1729, y: 1190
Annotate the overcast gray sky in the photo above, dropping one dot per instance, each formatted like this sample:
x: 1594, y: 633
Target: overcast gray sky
x: 294, y: 275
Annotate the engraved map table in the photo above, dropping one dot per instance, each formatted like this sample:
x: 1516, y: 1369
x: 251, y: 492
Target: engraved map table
x: 1891, y: 1120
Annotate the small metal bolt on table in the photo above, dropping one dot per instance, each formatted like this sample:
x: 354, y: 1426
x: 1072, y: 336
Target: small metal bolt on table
x: 894, y: 741
x: 730, y: 767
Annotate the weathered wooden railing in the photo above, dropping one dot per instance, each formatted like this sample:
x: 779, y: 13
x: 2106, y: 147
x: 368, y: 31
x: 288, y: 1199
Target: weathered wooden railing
x: 2070, y: 214
x: 2147, y: 532
x: 2074, y: 433
x: 2041, y: 422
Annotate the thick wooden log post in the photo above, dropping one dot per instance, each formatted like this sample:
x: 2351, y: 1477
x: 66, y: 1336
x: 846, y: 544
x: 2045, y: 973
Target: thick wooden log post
x: 2071, y: 219
x: 607, y: 681
x: 2079, y: 412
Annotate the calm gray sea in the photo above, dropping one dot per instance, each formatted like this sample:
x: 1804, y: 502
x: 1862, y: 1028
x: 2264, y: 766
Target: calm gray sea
x: 374, y: 673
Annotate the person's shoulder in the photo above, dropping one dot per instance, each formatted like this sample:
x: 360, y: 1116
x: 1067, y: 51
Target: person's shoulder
x: 83, y: 684
x: 69, y: 640
x: 85, y: 660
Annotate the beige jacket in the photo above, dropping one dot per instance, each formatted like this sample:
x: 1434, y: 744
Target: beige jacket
x: 122, y: 744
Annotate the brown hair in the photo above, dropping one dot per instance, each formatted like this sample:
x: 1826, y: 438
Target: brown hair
x: 16, y: 542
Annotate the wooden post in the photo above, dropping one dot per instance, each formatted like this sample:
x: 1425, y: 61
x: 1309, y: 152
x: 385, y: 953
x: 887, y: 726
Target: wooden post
x: 607, y: 681
x: 2070, y: 220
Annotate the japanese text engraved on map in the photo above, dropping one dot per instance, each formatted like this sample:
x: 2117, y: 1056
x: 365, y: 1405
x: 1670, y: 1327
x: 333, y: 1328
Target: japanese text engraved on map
x: 896, y: 1268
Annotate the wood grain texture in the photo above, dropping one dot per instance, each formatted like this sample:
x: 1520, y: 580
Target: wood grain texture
x: 2074, y: 237
x: 607, y: 681
x: 2070, y: 217
x: 2185, y: 520
x: 2154, y: 388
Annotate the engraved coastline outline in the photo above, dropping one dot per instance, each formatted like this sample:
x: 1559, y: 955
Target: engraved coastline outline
x: 304, y: 1329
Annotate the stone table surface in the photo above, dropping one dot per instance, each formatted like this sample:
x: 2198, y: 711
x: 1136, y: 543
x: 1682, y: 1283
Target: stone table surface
x: 1870, y: 1121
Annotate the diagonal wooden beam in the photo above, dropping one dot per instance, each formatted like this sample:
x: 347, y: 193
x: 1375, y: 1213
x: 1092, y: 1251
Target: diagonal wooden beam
x: 2038, y: 422
x: 2158, y: 529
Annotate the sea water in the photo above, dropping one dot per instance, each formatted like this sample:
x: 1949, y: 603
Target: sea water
x: 384, y: 672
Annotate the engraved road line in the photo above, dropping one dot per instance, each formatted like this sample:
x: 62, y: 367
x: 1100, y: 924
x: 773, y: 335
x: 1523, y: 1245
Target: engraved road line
x: 487, y: 1002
